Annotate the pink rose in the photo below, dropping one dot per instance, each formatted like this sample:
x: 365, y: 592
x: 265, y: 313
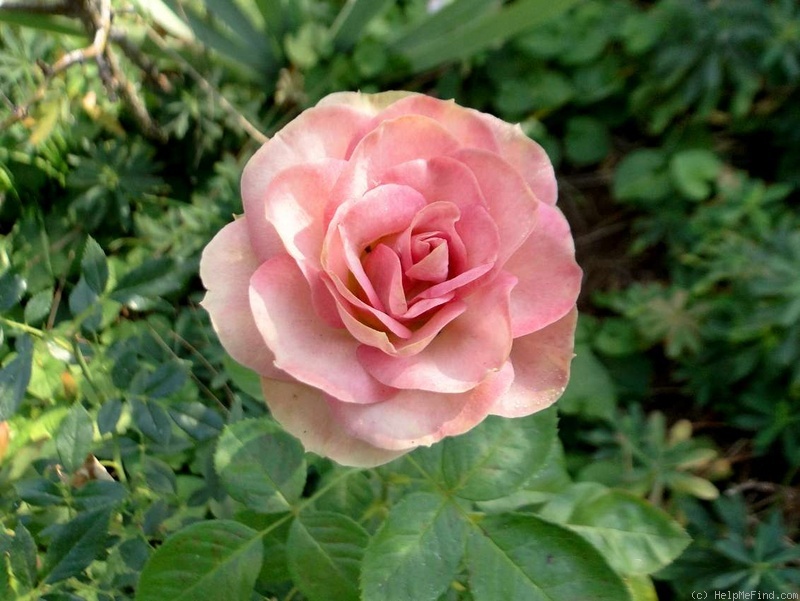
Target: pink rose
x: 400, y: 272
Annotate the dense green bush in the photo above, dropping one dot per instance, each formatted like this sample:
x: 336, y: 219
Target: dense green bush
x: 673, y: 124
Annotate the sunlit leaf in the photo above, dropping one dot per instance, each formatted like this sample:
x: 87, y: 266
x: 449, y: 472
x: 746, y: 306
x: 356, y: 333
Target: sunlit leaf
x: 324, y: 553
x: 221, y: 557
x: 524, y: 558
x: 260, y: 465
x: 416, y: 552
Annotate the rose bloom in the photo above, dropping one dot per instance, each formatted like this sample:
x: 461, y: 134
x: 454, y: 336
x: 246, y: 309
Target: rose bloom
x: 400, y: 273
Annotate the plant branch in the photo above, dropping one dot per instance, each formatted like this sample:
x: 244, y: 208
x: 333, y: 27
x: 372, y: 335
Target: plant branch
x: 97, y: 17
x: 243, y: 122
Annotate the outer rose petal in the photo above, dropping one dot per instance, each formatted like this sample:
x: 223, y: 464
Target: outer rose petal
x: 226, y: 266
x: 415, y: 418
x: 371, y: 104
x: 316, y: 134
x: 461, y: 355
x: 526, y: 156
x: 296, y: 200
x: 465, y: 124
x: 304, y: 346
x: 295, y: 203
x: 304, y: 412
x: 541, y: 364
x: 549, y: 277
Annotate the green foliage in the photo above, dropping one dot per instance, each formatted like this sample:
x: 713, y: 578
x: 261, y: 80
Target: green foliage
x: 221, y: 556
x: 731, y: 552
x: 137, y: 461
x: 641, y: 455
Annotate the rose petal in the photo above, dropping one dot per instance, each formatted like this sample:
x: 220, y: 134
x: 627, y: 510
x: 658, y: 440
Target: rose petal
x: 439, y: 178
x: 549, y: 277
x: 434, y: 267
x: 541, y: 363
x: 526, y: 156
x: 304, y: 413
x: 367, y: 103
x: 463, y: 123
x: 414, y: 418
x: 509, y: 200
x: 318, y: 133
x: 461, y: 355
x: 382, y: 266
x: 226, y: 265
x: 304, y: 346
x: 296, y: 201
x: 391, y: 143
x: 295, y: 204
x: 382, y: 211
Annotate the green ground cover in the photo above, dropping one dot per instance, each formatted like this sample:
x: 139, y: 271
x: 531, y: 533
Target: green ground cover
x: 675, y: 131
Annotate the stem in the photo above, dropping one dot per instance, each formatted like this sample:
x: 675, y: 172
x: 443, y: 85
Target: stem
x: 290, y: 595
x: 204, y: 84
x: 163, y: 344
x: 76, y: 349
x: 24, y: 327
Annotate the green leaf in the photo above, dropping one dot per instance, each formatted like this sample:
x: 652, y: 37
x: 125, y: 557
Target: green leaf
x: 590, y: 391
x: 83, y: 303
x: 693, y: 171
x: 497, y: 457
x: 151, y: 279
x: 324, y: 552
x: 354, y: 495
x: 152, y: 420
x: 696, y: 486
x: 440, y: 23
x: 416, y: 552
x: 167, y: 379
x: 164, y: 17
x: 74, y: 438
x: 260, y: 465
x: 38, y: 307
x: 586, y: 141
x: 94, y: 266
x: 641, y: 175
x: 275, y: 529
x: 634, y: 536
x: 17, y: 563
x: 226, y: 43
x: 245, y: 379
x: 354, y: 16
x: 39, y: 492
x: 197, y: 420
x: 12, y: 287
x: 52, y: 23
x: 273, y: 13
x: 641, y: 588
x: 76, y: 545
x: 216, y: 559
x: 550, y: 479
x: 159, y: 476
x: 99, y: 494
x: 477, y: 34
x: 108, y: 416
x: 14, y: 378
x: 246, y: 32
x: 525, y: 558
